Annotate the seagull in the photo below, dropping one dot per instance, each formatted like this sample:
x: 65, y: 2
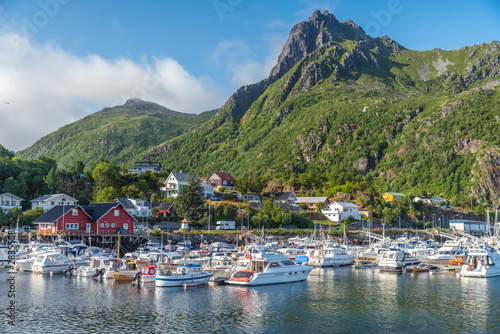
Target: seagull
x: 364, y: 109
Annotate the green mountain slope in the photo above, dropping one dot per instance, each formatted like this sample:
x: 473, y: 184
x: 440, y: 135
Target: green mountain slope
x: 119, y: 133
x: 431, y: 123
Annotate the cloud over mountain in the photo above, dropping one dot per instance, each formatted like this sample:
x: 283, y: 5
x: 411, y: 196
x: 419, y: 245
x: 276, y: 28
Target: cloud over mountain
x: 46, y: 87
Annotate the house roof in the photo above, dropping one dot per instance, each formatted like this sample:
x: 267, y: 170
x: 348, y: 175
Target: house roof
x: 397, y: 194
x: 126, y: 203
x: 163, y: 206
x: 347, y: 205
x: 55, y: 213
x: 100, y: 209
x: 45, y: 198
x: 223, y: 176
x: 284, y: 196
x: 311, y: 199
x: 180, y: 177
x: 17, y: 197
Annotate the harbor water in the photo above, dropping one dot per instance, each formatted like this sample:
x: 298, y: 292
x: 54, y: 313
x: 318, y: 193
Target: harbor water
x: 331, y: 300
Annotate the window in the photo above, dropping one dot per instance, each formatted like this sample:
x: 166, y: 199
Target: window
x: 125, y: 226
x: 107, y: 224
x: 224, y: 182
x: 51, y: 203
x: 102, y: 224
x: 117, y: 213
x: 112, y: 224
x: 75, y: 212
x: 72, y: 226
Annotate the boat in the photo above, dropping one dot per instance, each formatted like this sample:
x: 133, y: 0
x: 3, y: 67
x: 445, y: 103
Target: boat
x: 53, y: 262
x: 185, y: 273
x: 421, y: 268
x: 481, y: 262
x: 146, y: 275
x: 459, y: 260
x: 97, y: 264
x: 397, y: 261
x: 268, y: 268
x: 4, y: 258
x: 328, y: 257
x: 128, y: 271
x: 448, y: 251
x: 220, y: 266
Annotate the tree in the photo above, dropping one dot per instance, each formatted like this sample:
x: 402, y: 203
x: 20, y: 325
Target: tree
x: 189, y: 203
x: 303, y: 206
x: 108, y: 194
x: 320, y: 206
x: 105, y: 175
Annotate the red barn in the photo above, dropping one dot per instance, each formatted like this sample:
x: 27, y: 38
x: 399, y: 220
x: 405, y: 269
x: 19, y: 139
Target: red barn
x: 97, y: 218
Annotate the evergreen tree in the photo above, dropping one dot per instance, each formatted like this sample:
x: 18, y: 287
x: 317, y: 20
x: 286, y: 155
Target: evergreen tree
x: 189, y: 203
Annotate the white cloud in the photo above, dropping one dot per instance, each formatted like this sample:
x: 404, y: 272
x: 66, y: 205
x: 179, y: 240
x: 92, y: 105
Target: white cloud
x: 45, y: 88
x: 240, y: 64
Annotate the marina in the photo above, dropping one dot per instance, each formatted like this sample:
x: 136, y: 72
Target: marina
x: 261, y: 288
x: 330, y: 300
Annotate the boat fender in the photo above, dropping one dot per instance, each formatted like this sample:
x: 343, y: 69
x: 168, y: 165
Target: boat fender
x: 248, y: 256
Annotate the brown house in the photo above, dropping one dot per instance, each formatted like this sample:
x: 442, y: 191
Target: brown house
x: 224, y: 180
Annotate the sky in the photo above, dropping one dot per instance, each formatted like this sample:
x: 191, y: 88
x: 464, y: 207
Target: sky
x: 61, y: 60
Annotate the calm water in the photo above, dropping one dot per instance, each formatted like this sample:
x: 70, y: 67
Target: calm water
x: 331, y: 300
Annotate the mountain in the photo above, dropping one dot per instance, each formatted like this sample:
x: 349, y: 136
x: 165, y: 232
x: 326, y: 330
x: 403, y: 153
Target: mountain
x: 344, y: 103
x: 119, y: 133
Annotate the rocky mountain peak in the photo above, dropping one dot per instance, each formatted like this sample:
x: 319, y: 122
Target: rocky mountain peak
x: 306, y: 37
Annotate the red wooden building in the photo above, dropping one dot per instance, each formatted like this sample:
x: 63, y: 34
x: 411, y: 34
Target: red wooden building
x: 96, y: 218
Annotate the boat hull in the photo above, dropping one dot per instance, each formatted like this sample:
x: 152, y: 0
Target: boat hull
x: 484, y: 273
x: 126, y: 275
x: 180, y: 280
x: 275, y: 277
x: 55, y: 269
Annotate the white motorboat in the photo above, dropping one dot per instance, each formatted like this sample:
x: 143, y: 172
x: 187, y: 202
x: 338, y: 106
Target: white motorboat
x: 220, y: 266
x: 397, y: 261
x: 185, y: 274
x: 328, y: 257
x: 97, y: 264
x: 448, y: 251
x: 481, y: 262
x: 53, y: 262
x: 268, y: 268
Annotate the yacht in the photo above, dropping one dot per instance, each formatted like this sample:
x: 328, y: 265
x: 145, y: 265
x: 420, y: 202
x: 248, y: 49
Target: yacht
x: 481, y: 262
x: 53, y: 262
x: 448, y: 251
x: 190, y: 273
x: 328, y: 257
x: 268, y: 268
x: 397, y: 261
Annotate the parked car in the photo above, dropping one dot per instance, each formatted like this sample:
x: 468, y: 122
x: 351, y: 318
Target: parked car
x: 235, y: 200
x: 287, y: 227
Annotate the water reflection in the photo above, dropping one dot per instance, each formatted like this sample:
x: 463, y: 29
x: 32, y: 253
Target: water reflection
x: 330, y: 300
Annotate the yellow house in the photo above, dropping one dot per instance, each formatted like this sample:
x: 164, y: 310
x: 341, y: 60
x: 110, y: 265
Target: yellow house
x: 389, y: 197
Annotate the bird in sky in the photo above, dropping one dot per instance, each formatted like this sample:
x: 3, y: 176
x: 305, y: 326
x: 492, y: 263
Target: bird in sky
x: 7, y: 102
x: 364, y: 109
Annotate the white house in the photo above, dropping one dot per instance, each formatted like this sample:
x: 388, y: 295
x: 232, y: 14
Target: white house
x: 9, y: 201
x: 432, y: 200
x: 47, y: 202
x: 312, y: 202
x: 136, y: 207
x: 175, y: 181
x: 339, y: 211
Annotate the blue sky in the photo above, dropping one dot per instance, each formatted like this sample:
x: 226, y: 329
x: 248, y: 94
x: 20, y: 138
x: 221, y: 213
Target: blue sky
x: 64, y: 59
